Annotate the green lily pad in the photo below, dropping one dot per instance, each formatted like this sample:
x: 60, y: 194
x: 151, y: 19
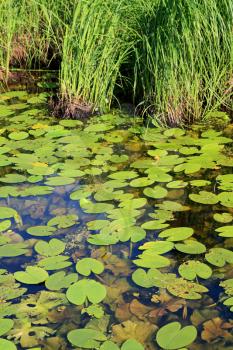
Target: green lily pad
x: 63, y: 221
x: 156, y: 192
x: 5, y: 325
x: 7, y: 213
x: 55, y: 262
x: 172, y: 336
x: 86, y: 289
x: 226, y: 199
x: 182, y: 288
x: 141, y: 182
x: 60, y: 280
x: 7, y: 344
x: 190, y: 246
x: 59, y: 181
x: 223, y: 218
x: 13, y: 178
x: 154, y: 225
x: 13, y: 249
x: 192, y: 269
x: 204, y: 197
x: 219, y: 257
x: 52, y: 248
x: 41, y: 230
x: 86, y: 266
x: 20, y: 135
x: 32, y: 275
x: 150, y: 259
x: 177, y: 233
x: 177, y: 184
x: 131, y: 344
x: 86, y: 338
x: 225, y: 231
x: 159, y: 247
x: 109, y: 345
x: 123, y: 175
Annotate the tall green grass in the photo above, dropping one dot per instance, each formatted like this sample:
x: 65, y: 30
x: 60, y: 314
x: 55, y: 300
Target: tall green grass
x: 31, y: 31
x: 94, y: 49
x: 183, y: 58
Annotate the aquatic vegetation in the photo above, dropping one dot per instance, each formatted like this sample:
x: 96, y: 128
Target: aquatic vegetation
x: 104, y: 247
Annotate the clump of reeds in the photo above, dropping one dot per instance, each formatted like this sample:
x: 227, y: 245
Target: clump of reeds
x: 94, y: 49
x: 184, y: 57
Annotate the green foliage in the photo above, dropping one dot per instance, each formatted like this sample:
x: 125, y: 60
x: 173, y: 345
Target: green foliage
x: 172, y: 336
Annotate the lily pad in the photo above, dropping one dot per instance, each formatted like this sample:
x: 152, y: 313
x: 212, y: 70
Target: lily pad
x: 63, y: 221
x: 7, y: 344
x: 51, y: 248
x: 32, y: 275
x: 141, y: 182
x: 156, y: 192
x: 55, y: 262
x: 172, y: 336
x: 192, y: 269
x: 86, y: 289
x: 204, y: 197
x: 219, y: 257
x: 86, y: 338
x: 223, y: 217
x: 41, y: 231
x: 20, y: 135
x: 190, y: 246
x: 5, y: 325
x: 177, y: 233
x: 225, y: 231
x: 60, y: 280
x: 13, y: 249
x: 86, y: 266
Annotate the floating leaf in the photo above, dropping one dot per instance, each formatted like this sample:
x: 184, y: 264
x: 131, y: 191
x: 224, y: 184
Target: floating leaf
x: 41, y: 230
x: 204, y: 197
x: 223, y: 218
x: 63, y: 221
x: 225, y: 231
x: 131, y: 344
x: 159, y: 247
x: 13, y: 249
x: 7, y: 344
x: 150, y: 259
x: 141, y: 182
x: 190, y: 246
x: 86, y: 338
x: 182, y: 288
x: 51, y: 248
x: 177, y: 233
x: 192, y: 269
x: 88, y: 265
x: 60, y: 280
x: 219, y: 257
x: 156, y: 192
x: 32, y: 275
x: 20, y: 135
x: 86, y: 289
x: 172, y: 336
x: 59, y: 181
x: 55, y: 262
x: 5, y: 325
x: 7, y: 213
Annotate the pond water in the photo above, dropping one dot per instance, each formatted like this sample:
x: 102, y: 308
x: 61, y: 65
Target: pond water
x: 112, y: 232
